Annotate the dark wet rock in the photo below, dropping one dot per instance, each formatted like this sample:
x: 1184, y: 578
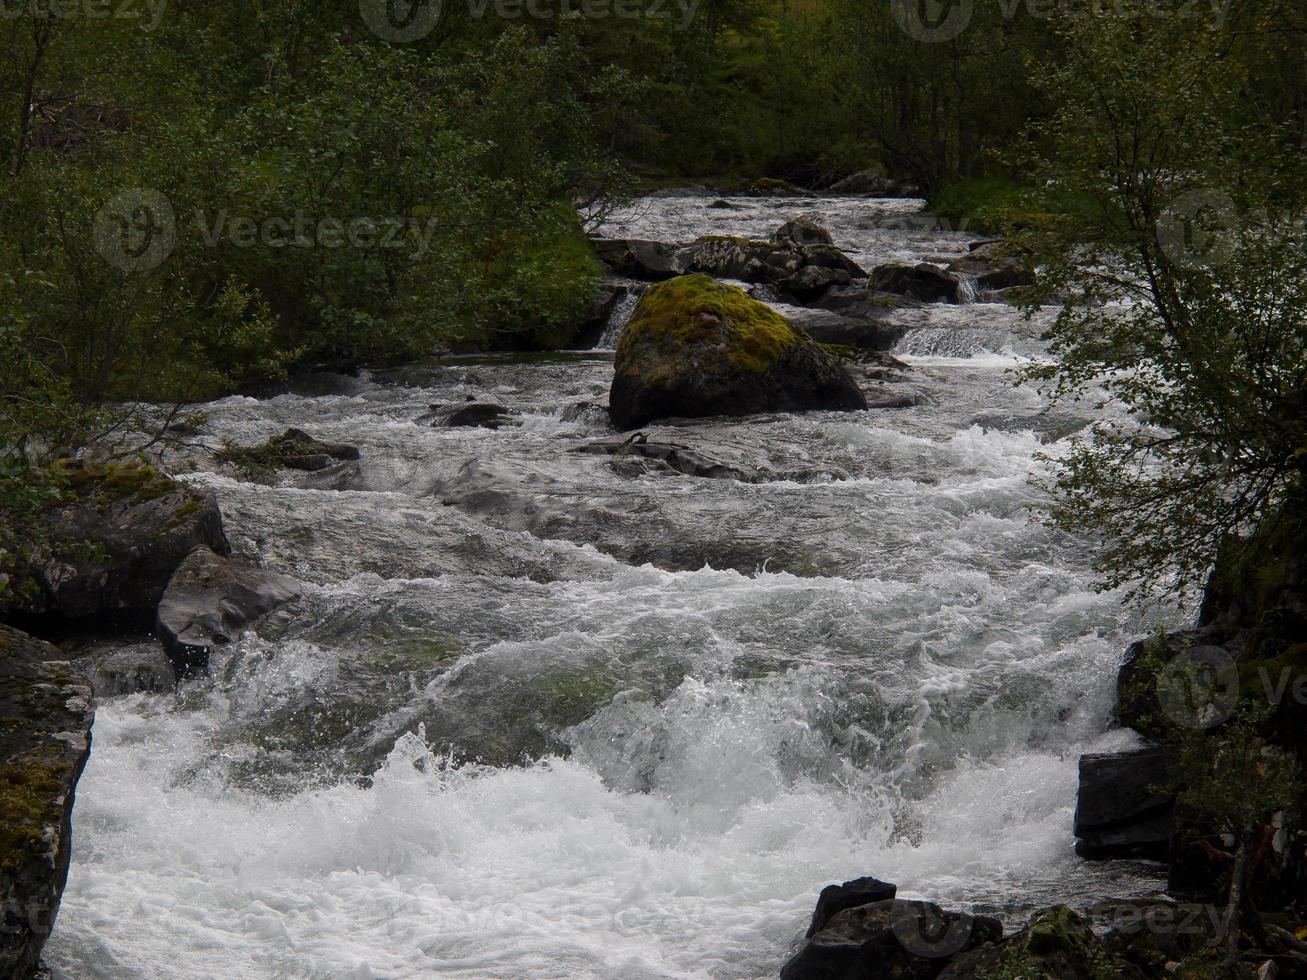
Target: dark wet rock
x: 672, y: 456
x: 895, y: 938
x: 209, y: 601
x: 695, y: 347
x: 473, y: 415
x: 1120, y: 810
x: 992, y: 271
x: 721, y: 204
x: 871, y: 184
x: 1057, y: 944
x: 802, y: 231
x: 114, y: 546
x: 804, y: 271
x: 828, y: 327
x: 639, y: 258
x: 1141, y: 682
x: 139, y: 669
x: 46, y: 710
x: 922, y: 281
x: 836, y: 898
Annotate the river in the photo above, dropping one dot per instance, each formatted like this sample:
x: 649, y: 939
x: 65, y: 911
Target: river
x: 542, y: 715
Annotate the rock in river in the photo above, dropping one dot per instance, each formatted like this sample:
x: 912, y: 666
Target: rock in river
x: 46, y: 712
x: 209, y: 601
x: 696, y: 347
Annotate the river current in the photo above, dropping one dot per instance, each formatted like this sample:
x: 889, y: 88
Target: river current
x: 539, y: 714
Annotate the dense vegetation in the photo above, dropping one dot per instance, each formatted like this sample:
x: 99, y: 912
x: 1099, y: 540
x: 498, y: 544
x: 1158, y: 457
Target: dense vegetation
x: 199, y: 197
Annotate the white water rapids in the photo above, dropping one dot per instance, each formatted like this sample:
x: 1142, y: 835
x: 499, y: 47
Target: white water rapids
x: 539, y: 717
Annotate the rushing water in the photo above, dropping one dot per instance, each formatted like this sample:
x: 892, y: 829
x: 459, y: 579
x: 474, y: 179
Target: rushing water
x: 544, y: 714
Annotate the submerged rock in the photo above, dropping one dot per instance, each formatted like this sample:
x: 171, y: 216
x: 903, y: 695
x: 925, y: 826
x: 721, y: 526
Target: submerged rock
x: 672, y: 456
x: 46, y: 712
x: 695, y: 347
x: 469, y: 415
x: 114, y: 545
x: 209, y: 601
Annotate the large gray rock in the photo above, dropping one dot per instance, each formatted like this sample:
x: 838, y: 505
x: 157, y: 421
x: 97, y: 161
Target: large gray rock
x: 209, y: 601
x: 46, y: 711
x: 894, y: 938
x: 696, y: 348
x: 113, y: 548
x: 802, y: 231
x: 639, y: 258
x: 870, y: 184
x: 922, y: 281
x: 1120, y: 810
x: 834, y: 899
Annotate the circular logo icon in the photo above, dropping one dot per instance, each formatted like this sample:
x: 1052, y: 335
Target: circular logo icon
x: 932, y: 21
x: 136, y: 230
x: 400, y: 21
x: 924, y: 929
x: 1197, y: 230
x: 1199, y: 688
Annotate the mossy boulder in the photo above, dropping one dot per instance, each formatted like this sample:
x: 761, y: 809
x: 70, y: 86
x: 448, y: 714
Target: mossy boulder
x: 46, y: 711
x: 294, y: 449
x: 1056, y: 944
x: 695, y: 347
x: 113, y: 542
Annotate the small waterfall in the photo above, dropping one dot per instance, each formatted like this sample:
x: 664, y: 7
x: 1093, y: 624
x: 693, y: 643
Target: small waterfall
x: 968, y: 290
x: 617, y: 321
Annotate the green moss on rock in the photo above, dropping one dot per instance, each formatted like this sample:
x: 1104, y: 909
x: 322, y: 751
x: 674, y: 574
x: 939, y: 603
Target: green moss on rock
x: 694, y: 316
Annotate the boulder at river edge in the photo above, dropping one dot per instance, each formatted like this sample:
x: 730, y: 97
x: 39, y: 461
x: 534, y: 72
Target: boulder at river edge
x: 209, y: 601
x: 141, y: 525
x: 696, y: 347
x: 45, y: 738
